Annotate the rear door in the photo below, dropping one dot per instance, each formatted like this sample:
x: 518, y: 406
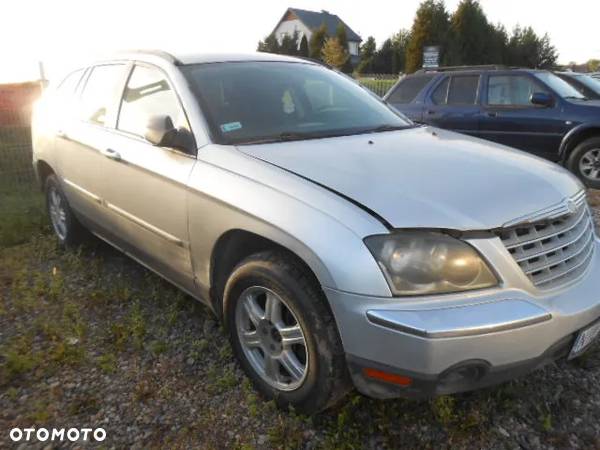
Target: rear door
x: 147, y: 194
x: 454, y: 104
x: 81, y: 135
x: 511, y: 119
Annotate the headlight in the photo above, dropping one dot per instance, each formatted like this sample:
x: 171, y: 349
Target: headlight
x: 423, y: 262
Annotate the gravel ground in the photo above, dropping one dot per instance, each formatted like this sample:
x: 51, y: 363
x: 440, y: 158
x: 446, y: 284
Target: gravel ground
x: 91, y: 339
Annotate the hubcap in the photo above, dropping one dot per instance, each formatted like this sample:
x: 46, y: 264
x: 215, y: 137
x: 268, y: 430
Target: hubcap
x: 271, y: 338
x: 589, y: 165
x: 58, y: 214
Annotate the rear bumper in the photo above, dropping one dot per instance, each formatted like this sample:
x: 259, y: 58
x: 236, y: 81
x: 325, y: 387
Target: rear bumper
x: 458, y: 343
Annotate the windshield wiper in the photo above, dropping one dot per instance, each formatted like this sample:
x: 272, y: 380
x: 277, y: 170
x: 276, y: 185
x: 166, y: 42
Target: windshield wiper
x: 382, y: 128
x: 573, y: 97
x: 284, y: 136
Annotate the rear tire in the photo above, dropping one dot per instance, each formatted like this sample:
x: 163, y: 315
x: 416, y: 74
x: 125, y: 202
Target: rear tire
x: 66, y: 227
x: 584, y: 162
x: 319, y: 376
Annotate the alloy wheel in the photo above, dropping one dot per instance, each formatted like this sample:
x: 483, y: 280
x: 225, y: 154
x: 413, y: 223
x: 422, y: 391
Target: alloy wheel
x: 58, y: 213
x: 271, y: 338
x: 589, y: 165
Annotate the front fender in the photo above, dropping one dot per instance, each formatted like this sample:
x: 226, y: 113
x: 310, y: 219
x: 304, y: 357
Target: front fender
x: 323, y: 229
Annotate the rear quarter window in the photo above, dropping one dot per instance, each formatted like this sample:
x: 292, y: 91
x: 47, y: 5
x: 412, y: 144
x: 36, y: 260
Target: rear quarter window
x: 408, y: 89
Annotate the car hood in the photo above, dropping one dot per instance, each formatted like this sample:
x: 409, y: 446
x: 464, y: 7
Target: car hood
x: 426, y: 177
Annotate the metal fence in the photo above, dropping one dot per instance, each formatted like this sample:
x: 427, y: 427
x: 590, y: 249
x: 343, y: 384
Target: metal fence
x: 16, y: 102
x: 378, y: 83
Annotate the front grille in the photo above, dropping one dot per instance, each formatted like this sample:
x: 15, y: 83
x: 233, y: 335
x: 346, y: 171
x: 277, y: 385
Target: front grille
x: 556, y: 250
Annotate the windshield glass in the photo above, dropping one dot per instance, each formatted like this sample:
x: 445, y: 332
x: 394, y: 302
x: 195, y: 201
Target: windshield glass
x: 589, y: 82
x: 250, y: 102
x: 558, y: 85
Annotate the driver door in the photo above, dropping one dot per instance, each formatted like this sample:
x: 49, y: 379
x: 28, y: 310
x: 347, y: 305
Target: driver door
x: 147, y: 193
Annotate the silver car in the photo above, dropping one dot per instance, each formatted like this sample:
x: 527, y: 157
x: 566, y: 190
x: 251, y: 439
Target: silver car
x: 340, y: 244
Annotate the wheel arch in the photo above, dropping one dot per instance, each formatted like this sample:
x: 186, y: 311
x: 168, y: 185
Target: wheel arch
x: 42, y: 171
x: 235, y: 245
x: 574, y: 137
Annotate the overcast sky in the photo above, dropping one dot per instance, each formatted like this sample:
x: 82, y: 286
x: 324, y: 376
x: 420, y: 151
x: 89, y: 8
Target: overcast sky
x: 60, y: 32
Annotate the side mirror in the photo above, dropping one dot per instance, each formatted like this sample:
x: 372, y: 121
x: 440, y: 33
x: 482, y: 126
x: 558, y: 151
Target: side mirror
x: 161, y: 132
x: 541, y: 99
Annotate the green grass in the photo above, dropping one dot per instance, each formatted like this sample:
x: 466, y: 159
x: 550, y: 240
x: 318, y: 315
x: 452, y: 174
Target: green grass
x: 22, y: 215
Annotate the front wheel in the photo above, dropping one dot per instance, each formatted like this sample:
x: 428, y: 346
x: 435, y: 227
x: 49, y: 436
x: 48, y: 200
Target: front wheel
x: 67, y: 228
x: 283, y: 333
x: 585, y: 162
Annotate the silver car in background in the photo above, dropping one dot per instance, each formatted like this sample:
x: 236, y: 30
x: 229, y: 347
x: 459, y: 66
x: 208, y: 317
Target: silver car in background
x: 340, y: 244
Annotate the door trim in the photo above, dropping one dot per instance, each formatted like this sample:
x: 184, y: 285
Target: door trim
x: 85, y: 192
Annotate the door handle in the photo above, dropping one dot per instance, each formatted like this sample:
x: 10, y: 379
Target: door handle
x: 492, y: 114
x: 112, y: 154
x: 430, y: 112
x: 61, y: 134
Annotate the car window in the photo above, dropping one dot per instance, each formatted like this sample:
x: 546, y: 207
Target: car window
x: 561, y: 87
x: 67, y: 87
x: 100, y: 91
x: 440, y: 94
x: 249, y: 102
x: 408, y: 89
x: 148, y: 94
x: 511, y: 90
x: 463, y: 90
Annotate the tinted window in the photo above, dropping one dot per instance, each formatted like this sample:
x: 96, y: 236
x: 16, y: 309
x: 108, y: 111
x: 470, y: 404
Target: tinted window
x: 148, y: 94
x: 408, y: 89
x: 561, y: 87
x: 463, y: 90
x: 263, y: 101
x: 439, y: 95
x: 100, y: 92
x: 511, y: 90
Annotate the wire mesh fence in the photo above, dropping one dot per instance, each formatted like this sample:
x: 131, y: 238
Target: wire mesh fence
x: 16, y: 102
x: 378, y: 83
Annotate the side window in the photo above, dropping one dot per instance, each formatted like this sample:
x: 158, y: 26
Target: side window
x: 463, y: 90
x: 511, y: 90
x: 440, y: 94
x: 100, y: 91
x: 408, y: 89
x: 148, y: 94
x: 67, y: 87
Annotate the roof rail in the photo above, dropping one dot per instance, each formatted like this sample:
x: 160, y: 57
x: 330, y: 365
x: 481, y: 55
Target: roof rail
x: 160, y: 53
x: 465, y: 68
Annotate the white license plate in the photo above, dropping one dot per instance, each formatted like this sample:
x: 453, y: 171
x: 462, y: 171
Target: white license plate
x: 585, y: 339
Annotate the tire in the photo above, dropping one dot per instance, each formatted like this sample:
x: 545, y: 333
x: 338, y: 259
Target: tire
x: 276, y: 276
x: 67, y: 228
x: 584, y: 162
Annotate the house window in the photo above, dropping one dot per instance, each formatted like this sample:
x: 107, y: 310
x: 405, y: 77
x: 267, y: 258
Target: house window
x: 353, y: 48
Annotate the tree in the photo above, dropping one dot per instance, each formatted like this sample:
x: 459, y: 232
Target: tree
x: 498, y: 43
x: 334, y: 54
x: 269, y: 44
x: 383, y: 59
x: 593, y: 65
x: 289, y: 44
x: 400, y: 41
x: 342, y: 37
x: 303, y: 51
x: 526, y: 49
x: 367, y: 53
x: 470, y: 35
x: 430, y: 27
x: 317, y: 41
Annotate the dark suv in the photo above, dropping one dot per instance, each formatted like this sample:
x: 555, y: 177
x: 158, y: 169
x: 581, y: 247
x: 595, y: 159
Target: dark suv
x: 533, y: 110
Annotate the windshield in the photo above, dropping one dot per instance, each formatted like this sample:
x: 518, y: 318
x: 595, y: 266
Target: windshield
x: 589, y: 82
x: 558, y: 85
x: 251, y: 102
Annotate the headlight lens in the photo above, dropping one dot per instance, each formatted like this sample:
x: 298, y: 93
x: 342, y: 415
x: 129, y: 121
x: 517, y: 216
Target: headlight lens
x: 422, y: 262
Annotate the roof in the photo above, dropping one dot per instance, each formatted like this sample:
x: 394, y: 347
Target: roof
x: 199, y: 58
x: 314, y: 20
